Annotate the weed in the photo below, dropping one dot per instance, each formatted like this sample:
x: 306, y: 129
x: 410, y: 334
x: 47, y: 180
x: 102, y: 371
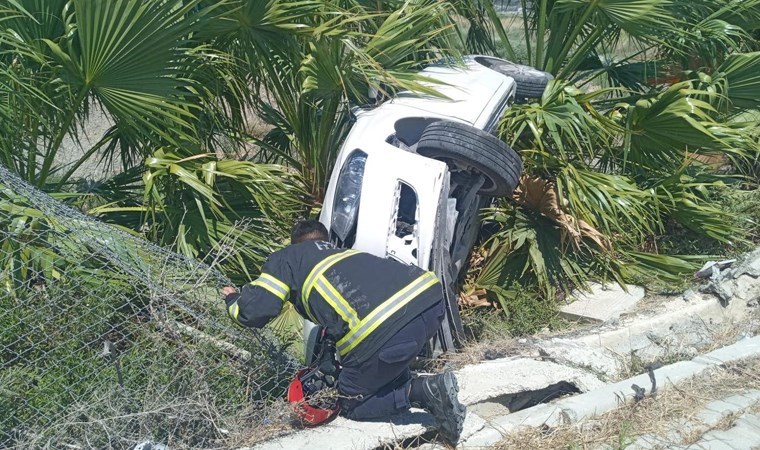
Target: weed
x: 526, y: 314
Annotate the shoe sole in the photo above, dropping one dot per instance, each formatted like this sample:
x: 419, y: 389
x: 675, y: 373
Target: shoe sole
x: 451, y: 425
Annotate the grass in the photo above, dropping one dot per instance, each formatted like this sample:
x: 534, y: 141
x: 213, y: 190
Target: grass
x: 663, y: 416
x: 525, y: 315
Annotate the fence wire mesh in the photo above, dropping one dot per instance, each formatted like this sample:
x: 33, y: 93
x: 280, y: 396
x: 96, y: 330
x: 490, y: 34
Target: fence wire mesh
x: 107, y: 340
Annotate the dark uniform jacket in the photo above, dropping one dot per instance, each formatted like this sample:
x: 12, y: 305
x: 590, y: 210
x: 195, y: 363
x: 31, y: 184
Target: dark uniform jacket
x: 362, y: 300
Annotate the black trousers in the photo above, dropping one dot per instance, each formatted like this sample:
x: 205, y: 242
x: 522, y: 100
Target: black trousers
x: 379, y: 387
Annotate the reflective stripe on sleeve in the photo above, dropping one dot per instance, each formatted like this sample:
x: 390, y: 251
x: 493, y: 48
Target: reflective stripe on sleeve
x: 233, y: 310
x: 384, y: 311
x: 273, y: 285
x: 338, y: 303
x: 316, y: 272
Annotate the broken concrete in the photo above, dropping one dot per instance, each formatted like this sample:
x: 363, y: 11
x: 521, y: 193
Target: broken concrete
x: 575, y: 409
x: 747, y: 288
x: 490, y: 379
x: 602, y: 363
x: 348, y: 434
x: 603, y: 303
x: 477, y: 383
x: 652, y: 336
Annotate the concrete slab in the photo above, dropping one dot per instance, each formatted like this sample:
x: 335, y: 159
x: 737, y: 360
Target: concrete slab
x: 491, y: 379
x: 347, y: 434
x: 636, y: 334
x: 488, y: 409
x: 600, y: 362
x: 744, y: 434
x: 715, y: 411
x: 609, y: 397
x: 603, y: 303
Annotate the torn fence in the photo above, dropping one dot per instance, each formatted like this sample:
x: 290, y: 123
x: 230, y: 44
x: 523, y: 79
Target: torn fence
x: 106, y: 339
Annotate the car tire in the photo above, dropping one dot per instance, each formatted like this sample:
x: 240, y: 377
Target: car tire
x: 531, y: 82
x: 465, y: 146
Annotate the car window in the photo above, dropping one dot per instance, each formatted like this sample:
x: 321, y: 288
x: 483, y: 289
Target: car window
x: 406, y: 217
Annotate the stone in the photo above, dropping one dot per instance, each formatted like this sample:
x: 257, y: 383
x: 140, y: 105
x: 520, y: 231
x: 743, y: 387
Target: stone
x: 599, y: 361
x: 718, y: 286
x: 711, y: 266
x: 690, y: 295
x: 747, y: 288
x: 750, y: 266
x: 602, y: 303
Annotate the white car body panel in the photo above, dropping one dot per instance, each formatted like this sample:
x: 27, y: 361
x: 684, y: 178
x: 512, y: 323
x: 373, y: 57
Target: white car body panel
x: 385, y: 170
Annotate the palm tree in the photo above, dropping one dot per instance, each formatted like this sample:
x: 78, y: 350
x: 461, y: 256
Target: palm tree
x: 309, y: 81
x: 157, y: 79
x: 615, y: 149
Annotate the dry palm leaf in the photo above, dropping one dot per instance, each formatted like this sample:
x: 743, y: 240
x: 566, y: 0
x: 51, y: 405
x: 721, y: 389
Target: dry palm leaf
x: 541, y: 196
x: 473, y: 298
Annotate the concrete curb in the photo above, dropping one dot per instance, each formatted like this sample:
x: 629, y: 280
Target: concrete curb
x: 478, y: 382
x: 609, y: 397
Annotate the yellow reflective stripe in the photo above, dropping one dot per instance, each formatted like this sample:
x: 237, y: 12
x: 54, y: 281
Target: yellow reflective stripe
x: 339, y: 304
x: 384, y: 311
x: 273, y: 285
x: 283, y: 287
x: 317, y: 271
x: 233, y: 310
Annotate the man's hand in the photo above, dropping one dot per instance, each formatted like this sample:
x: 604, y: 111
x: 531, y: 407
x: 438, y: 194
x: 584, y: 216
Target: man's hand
x: 227, y: 290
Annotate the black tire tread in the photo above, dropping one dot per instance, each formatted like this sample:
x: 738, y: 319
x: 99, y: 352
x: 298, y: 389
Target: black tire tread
x: 487, y: 157
x: 476, y: 148
x: 528, y: 85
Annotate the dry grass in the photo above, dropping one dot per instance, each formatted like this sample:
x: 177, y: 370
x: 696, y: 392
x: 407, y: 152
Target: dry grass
x: 475, y: 352
x: 671, y: 416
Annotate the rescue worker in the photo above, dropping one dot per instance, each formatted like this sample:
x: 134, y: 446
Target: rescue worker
x: 379, y: 312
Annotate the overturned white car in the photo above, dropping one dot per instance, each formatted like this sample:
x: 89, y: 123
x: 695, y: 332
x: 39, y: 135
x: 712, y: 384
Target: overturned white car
x: 414, y: 172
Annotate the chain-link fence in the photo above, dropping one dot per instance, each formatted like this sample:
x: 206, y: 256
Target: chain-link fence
x: 107, y: 340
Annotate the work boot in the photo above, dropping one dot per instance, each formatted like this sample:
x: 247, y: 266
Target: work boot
x: 440, y: 399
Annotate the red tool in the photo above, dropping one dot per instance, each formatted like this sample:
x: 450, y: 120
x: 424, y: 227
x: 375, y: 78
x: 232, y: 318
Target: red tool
x: 308, y: 396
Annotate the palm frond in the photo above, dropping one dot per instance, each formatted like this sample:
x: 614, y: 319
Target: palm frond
x: 741, y: 72
x: 196, y: 202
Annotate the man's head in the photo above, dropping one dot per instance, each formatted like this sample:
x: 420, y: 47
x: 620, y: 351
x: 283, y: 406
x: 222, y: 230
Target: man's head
x: 308, y: 230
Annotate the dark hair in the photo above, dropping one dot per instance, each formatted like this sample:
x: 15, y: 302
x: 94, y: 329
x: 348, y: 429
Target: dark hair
x: 308, y: 230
